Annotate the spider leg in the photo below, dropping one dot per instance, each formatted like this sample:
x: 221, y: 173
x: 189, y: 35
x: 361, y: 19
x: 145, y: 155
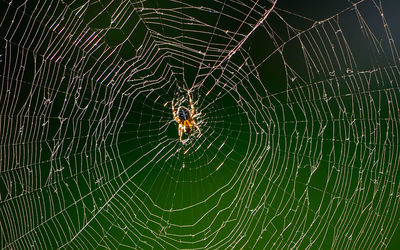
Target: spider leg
x: 191, y: 105
x: 180, y: 134
x: 197, y: 127
x: 173, y: 112
x: 172, y: 106
x: 195, y: 115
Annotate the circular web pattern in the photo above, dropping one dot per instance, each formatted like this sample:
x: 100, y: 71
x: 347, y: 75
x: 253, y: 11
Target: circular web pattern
x: 296, y: 106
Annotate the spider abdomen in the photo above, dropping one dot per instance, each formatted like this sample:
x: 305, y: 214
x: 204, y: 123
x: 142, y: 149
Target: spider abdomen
x: 183, y: 114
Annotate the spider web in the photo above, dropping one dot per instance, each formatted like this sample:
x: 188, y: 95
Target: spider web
x: 298, y: 115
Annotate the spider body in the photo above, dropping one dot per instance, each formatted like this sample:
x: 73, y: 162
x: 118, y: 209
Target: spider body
x: 183, y: 114
x: 185, y: 119
x: 186, y: 122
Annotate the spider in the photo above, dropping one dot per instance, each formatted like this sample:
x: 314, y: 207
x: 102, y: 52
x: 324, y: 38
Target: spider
x: 185, y: 118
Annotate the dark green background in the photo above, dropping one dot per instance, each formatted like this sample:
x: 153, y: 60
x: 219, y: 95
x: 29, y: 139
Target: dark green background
x: 292, y: 148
